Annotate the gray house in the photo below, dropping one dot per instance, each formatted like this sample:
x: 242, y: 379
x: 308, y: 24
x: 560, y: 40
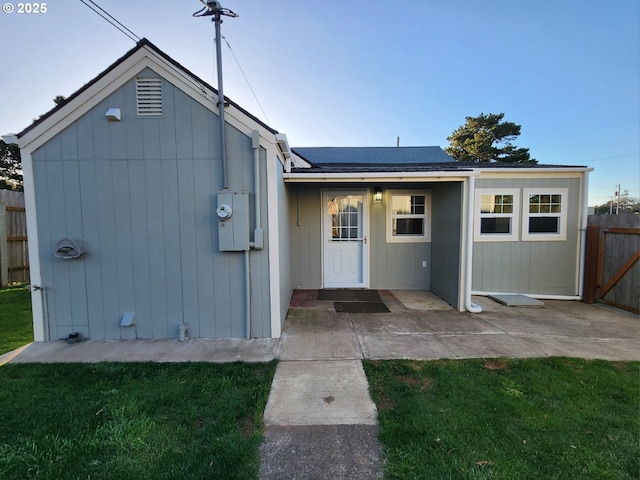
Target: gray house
x: 139, y: 228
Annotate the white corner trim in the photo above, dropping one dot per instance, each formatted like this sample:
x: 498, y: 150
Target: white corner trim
x: 40, y: 333
x: 272, y: 164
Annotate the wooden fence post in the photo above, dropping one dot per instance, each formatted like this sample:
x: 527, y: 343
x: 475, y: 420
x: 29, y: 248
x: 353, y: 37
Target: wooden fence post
x: 591, y: 264
x: 4, y: 253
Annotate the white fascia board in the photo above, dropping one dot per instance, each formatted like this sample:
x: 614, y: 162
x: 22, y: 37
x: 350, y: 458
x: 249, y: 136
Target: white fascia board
x: 560, y: 172
x: 114, y: 79
x: 84, y: 102
x: 300, y: 162
x: 379, y: 177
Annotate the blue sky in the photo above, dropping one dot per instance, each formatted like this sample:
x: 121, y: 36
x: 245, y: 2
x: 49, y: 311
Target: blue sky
x: 361, y: 73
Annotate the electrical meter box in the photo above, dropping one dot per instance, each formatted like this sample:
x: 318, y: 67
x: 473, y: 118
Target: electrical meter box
x: 233, y: 221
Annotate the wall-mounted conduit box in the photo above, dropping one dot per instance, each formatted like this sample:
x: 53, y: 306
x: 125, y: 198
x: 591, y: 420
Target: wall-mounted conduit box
x: 233, y: 221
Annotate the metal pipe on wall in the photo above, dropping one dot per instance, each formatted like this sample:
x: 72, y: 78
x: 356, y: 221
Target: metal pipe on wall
x: 223, y: 152
x: 258, y: 236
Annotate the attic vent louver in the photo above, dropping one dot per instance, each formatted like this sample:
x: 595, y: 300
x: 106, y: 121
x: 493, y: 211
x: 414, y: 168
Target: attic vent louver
x: 149, y: 96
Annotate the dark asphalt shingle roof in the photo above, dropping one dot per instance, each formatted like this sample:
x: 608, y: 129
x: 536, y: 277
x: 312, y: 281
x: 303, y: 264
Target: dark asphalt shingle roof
x: 393, y: 159
x: 373, y: 155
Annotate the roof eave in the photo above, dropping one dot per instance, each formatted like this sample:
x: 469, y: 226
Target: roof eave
x: 378, y: 176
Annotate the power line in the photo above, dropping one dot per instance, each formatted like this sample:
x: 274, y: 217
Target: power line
x: 111, y: 19
x: 604, y: 158
x: 246, y: 80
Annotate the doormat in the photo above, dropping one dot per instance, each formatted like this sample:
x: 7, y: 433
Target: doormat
x: 360, y: 307
x: 347, y: 295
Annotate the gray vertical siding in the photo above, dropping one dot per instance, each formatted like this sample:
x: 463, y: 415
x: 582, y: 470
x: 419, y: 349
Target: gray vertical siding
x: 397, y: 266
x: 446, y: 212
x: 392, y: 265
x: 306, y: 235
x: 140, y: 195
x: 534, y: 267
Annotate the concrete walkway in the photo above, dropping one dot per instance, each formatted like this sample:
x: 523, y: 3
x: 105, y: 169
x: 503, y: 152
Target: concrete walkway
x: 320, y: 421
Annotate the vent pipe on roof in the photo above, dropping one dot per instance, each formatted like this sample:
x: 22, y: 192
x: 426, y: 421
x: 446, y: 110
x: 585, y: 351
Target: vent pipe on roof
x: 397, y: 141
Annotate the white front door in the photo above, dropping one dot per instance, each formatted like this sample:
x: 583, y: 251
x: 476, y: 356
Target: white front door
x: 345, y: 249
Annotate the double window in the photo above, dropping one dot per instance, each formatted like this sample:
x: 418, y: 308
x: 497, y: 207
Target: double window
x: 408, y: 215
x: 543, y: 214
x: 498, y: 215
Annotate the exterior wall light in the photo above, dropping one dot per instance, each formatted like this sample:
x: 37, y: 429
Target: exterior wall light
x: 377, y: 194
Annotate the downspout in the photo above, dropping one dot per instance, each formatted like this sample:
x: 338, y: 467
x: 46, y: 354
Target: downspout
x: 247, y: 298
x: 258, y: 234
x: 583, y: 232
x: 471, y: 192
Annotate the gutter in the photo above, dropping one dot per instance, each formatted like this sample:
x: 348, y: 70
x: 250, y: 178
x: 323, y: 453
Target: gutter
x: 378, y: 176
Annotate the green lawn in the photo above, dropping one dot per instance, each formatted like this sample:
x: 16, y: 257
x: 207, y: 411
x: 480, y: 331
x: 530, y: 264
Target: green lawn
x: 132, y: 420
x: 16, y: 326
x: 552, y: 418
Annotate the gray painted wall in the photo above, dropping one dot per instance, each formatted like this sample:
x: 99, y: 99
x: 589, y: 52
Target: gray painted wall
x: 392, y: 265
x: 140, y: 195
x: 397, y: 266
x: 305, y: 224
x: 446, y: 234
x: 538, y: 267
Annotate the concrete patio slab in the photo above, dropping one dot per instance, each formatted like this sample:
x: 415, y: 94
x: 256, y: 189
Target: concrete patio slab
x: 421, y: 300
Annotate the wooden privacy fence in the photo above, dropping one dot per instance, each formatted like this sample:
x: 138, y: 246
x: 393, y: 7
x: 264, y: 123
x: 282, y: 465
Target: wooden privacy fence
x: 14, y: 252
x: 612, y: 269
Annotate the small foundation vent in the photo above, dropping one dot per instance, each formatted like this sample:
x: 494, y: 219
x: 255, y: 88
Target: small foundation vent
x: 149, y: 96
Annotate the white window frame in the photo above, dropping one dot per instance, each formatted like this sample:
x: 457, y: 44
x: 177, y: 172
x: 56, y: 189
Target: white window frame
x: 561, y: 235
x: 426, y: 236
x: 478, y: 236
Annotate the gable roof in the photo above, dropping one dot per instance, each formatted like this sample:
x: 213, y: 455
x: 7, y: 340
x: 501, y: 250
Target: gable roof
x: 143, y: 43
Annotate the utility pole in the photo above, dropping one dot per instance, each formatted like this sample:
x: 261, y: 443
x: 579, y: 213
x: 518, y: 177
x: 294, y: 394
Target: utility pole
x: 214, y: 9
x: 617, y: 199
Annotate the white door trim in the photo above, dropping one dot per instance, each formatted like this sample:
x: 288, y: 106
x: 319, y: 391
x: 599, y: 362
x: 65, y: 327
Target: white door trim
x: 365, y: 233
